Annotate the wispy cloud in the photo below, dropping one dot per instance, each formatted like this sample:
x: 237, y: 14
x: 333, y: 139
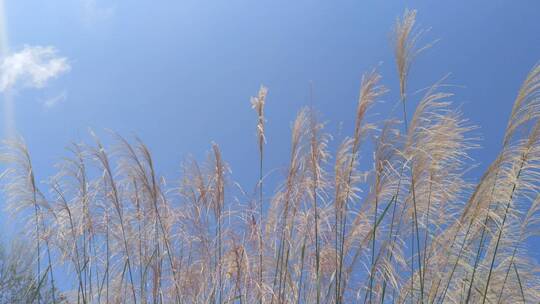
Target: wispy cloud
x: 95, y: 13
x: 55, y: 100
x: 32, y: 67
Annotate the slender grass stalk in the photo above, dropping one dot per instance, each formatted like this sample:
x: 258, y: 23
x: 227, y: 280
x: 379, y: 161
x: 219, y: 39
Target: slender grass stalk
x: 302, y: 256
x: 532, y: 141
x: 258, y: 104
x: 370, y: 90
x: 38, y: 288
x: 38, y: 250
x: 533, y: 138
x: 519, y: 282
x: 78, y: 268
x: 317, y: 156
x: 53, y: 288
x: 381, y: 159
x: 522, y: 236
x: 100, y: 154
x: 293, y: 172
x: 218, y: 207
x: 497, y: 246
x: 426, y: 233
x: 107, y: 268
x: 374, y: 239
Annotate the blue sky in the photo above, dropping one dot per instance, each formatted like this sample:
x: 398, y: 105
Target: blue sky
x: 179, y: 74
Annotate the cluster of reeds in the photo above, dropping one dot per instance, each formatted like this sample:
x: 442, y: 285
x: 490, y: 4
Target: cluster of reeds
x: 411, y: 228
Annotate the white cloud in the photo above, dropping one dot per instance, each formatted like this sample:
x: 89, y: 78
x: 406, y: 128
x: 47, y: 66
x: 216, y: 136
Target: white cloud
x: 32, y: 67
x: 54, y: 100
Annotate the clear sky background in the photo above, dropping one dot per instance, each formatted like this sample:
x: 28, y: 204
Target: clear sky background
x: 179, y: 74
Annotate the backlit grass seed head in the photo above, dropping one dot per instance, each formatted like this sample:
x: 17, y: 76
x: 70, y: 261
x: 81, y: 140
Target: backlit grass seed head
x: 257, y: 103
